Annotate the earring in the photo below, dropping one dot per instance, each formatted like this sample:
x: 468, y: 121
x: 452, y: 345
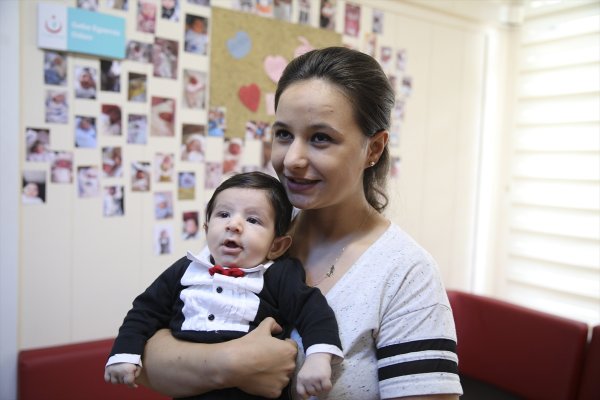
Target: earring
x: 372, y: 163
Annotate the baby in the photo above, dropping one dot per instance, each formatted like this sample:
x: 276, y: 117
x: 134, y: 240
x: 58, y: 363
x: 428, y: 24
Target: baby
x: 232, y: 285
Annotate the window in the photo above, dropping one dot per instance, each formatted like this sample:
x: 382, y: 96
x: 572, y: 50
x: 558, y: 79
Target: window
x: 552, y: 255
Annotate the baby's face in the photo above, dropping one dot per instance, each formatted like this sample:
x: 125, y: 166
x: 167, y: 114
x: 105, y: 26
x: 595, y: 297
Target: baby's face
x: 31, y: 190
x: 198, y: 26
x: 241, y: 228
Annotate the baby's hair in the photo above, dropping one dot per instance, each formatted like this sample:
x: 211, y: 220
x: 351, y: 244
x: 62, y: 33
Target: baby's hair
x: 273, y: 189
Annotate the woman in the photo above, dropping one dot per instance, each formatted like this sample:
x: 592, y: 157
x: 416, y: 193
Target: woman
x: 330, y: 152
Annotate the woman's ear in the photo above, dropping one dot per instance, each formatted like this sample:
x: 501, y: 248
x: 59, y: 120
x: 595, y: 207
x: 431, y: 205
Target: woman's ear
x: 377, y: 144
x: 279, y: 246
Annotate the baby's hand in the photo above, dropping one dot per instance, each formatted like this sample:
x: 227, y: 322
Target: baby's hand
x: 122, y: 373
x: 314, y: 377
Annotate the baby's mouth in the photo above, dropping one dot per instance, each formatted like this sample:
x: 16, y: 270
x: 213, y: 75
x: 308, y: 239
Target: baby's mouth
x: 231, y: 244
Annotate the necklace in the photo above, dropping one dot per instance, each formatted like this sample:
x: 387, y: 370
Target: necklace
x: 331, y: 270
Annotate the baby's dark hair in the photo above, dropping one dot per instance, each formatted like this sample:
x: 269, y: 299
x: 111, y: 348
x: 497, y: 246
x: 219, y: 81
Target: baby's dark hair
x: 271, y: 186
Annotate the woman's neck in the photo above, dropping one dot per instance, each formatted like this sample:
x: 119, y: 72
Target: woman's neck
x: 328, y: 225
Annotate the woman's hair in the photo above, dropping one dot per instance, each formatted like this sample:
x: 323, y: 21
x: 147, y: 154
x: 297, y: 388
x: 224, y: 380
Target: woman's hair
x: 367, y: 88
x: 260, y: 181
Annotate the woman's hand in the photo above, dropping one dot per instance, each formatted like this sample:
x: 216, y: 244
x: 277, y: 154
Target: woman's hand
x: 257, y: 363
x: 268, y: 362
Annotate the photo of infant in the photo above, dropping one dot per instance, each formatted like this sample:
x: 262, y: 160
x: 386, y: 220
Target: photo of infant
x: 196, y: 34
x: 57, y: 109
x: 85, y: 82
x: 55, y: 68
x: 37, y: 142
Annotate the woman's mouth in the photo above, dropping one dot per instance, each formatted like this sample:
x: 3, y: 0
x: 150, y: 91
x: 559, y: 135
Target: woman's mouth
x: 300, y: 184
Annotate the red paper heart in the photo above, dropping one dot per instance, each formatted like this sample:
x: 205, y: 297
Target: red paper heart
x: 250, y: 96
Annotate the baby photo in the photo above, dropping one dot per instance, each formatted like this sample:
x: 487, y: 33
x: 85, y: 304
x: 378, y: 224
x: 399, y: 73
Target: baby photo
x: 136, y: 87
x: 164, y: 58
x: 117, y: 4
x: 112, y: 162
x: 139, y: 51
x: 113, y: 201
x: 110, y: 120
x: 88, y: 181
x: 196, y: 34
x: 110, y: 75
x: 194, y: 89
x: 213, y: 172
x: 57, y: 110
x: 61, y: 168
x: 55, y: 68
x: 216, y: 121
x: 169, y: 10
x: 85, y: 82
x: 162, y: 117
x: 193, y: 144
x: 137, y: 129
x: 146, y: 16
x: 85, y: 132
x: 164, y: 167
x: 140, y: 176
x: 260, y: 130
x: 163, y: 205
x: 186, y: 185
x: 163, y: 239
x: 190, y: 226
x: 33, y: 188
x: 37, y: 142
x: 232, y: 156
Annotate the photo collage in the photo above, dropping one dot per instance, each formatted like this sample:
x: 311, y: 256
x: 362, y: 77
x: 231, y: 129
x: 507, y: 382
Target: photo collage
x: 140, y: 116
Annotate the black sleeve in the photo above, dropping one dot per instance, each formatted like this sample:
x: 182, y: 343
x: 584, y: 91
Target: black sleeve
x: 151, y: 311
x: 303, y: 306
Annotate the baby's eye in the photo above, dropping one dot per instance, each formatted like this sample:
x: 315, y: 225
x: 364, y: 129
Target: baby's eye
x: 222, y: 214
x: 253, y: 220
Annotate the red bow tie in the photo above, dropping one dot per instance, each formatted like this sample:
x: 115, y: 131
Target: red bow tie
x: 230, y: 271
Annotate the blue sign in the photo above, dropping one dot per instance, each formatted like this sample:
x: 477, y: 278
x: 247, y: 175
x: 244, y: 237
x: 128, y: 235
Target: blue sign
x: 80, y: 31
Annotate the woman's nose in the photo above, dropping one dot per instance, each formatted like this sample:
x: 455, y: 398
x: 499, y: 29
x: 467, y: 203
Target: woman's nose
x: 296, y: 156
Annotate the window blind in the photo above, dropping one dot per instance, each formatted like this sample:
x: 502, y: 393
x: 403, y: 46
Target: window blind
x: 552, y: 255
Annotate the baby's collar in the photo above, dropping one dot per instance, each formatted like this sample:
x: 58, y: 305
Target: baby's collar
x: 203, y: 258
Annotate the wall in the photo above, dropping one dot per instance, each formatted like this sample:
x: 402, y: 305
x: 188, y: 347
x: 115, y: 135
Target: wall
x: 9, y: 206
x: 79, y: 271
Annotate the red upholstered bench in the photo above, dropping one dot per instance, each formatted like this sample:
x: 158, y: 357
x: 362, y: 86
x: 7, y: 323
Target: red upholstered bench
x: 516, y: 352
x: 590, y: 381
x: 72, y: 372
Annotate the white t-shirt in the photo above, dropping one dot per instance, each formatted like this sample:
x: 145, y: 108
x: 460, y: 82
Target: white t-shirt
x: 395, y: 323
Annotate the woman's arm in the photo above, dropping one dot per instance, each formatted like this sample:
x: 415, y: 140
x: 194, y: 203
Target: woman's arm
x: 430, y: 397
x: 256, y: 363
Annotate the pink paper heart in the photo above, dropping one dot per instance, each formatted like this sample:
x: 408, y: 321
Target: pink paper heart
x: 274, y: 66
x: 250, y: 96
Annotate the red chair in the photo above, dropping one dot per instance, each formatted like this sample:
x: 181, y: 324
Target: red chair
x: 522, y: 352
x: 590, y: 380
x: 72, y: 372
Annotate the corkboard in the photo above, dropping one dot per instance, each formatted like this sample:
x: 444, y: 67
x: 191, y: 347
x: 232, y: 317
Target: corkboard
x: 230, y: 71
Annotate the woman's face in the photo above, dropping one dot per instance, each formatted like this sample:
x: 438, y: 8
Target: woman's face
x: 319, y: 151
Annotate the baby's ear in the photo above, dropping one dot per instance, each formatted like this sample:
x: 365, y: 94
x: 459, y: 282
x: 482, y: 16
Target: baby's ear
x: 279, y: 246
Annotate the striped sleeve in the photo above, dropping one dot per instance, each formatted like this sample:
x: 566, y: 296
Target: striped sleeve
x: 426, y: 363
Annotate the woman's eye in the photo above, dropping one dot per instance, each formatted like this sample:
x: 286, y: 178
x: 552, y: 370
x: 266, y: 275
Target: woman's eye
x: 321, y: 138
x: 282, y: 134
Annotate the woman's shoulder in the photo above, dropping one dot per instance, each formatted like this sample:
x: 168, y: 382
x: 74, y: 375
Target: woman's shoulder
x: 397, y: 244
